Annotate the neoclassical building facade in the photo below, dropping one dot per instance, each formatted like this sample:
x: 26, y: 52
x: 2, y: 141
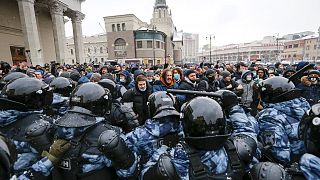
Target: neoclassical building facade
x: 34, y: 30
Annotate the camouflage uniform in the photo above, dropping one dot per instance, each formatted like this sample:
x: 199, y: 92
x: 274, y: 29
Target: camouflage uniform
x: 279, y: 129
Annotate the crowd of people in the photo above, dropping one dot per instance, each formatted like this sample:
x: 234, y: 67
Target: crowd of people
x: 120, y: 121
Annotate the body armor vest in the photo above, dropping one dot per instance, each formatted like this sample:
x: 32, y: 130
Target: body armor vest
x: 198, y: 171
x: 71, y: 163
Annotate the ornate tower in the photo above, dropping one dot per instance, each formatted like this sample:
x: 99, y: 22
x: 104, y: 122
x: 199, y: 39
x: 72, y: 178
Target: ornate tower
x: 162, y: 20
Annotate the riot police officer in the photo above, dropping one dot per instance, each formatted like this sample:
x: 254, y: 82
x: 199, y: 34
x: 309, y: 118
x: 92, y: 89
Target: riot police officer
x: 309, y: 132
x: 86, y: 147
x: 7, y: 157
x: 163, y: 127
x: 207, y: 152
x: 119, y: 115
x: 62, y: 88
x: 279, y: 120
x: 10, y: 77
x: 22, y: 121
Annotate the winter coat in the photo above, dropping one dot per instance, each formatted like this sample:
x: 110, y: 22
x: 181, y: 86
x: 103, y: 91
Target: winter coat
x: 162, y: 86
x: 206, y: 85
x: 139, y: 100
x: 311, y: 92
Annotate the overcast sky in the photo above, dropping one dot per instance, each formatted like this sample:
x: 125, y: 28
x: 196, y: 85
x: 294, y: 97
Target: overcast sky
x: 231, y: 21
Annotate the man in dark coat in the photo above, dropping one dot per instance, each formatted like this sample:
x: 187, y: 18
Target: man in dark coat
x: 139, y: 97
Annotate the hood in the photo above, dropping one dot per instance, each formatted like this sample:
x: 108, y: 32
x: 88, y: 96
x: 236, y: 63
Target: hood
x: 137, y: 73
x: 167, y: 85
x: 294, y: 108
x: 9, y: 116
x: 245, y: 73
x: 165, y: 126
x: 187, y: 80
x: 127, y: 75
x: 305, y: 81
x: 83, y: 80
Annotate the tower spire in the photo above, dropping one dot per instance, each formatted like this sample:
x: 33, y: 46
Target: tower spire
x: 160, y: 4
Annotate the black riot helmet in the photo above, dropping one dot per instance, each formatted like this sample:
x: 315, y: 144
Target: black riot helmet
x: 109, y: 84
x: 10, y: 77
x: 161, y: 104
x: 204, y: 124
x: 29, y: 92
x: 13, y: 76
x: 62, y: 85
x: 267, y: 171
x: 309, y: 130
x: 4, y: 67
x: 92, y: 97
x: 278, y: 89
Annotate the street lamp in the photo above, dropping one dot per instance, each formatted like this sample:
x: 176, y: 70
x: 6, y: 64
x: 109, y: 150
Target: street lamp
x: 318, y: 45
x: 277, y: 52
x: 210, y: 36
x: 238, y: 52
x: 154, y: 29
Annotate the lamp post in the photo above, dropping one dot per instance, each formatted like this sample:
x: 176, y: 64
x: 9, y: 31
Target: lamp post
x: 318, y: 45
x: 277, y: 52
x: 210, y: 36
x: 238, y: 52
x: 154, y: 28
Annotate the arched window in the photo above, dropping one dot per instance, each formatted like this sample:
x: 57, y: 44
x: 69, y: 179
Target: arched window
x: 120, y: 44
x: 120, y: 47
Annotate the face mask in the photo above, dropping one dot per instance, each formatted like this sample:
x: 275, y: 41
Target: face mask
x: 150, y: 80
x: 123, y: 80
x: 143, y: 90
x: 313, y: 79
x: 176, y: 77
x: 249, y: 78
x: 271, y: 71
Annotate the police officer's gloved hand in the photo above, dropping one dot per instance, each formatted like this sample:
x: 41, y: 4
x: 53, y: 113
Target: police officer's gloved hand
x: 229, y: 100
x: 57, y: 150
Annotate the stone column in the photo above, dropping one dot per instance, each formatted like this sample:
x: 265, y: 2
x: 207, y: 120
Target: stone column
x: 56, y: 9
x: 30, y: 31
x: 76, y: 19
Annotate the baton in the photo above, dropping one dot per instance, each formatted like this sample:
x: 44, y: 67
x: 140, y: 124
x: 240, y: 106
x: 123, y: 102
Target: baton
x: 197, y: 93
x: 299, y: 74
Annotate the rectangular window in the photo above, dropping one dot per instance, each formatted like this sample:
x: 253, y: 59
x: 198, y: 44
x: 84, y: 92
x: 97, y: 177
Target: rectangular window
x: 158, y: 44
x: 118, y: 27
x: 295, y: 45
x: 139, y: 44
x: 158, y: 61
x: 290, y: 46
x: 149, y: 44
x: 88, y: 50
x: 308, y: 47
x: 71, y: 51
x: 101, y: 50
x: 315, y: 47
x: 113, y: 28
x: 123, y: 27
x: 162, y: 45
